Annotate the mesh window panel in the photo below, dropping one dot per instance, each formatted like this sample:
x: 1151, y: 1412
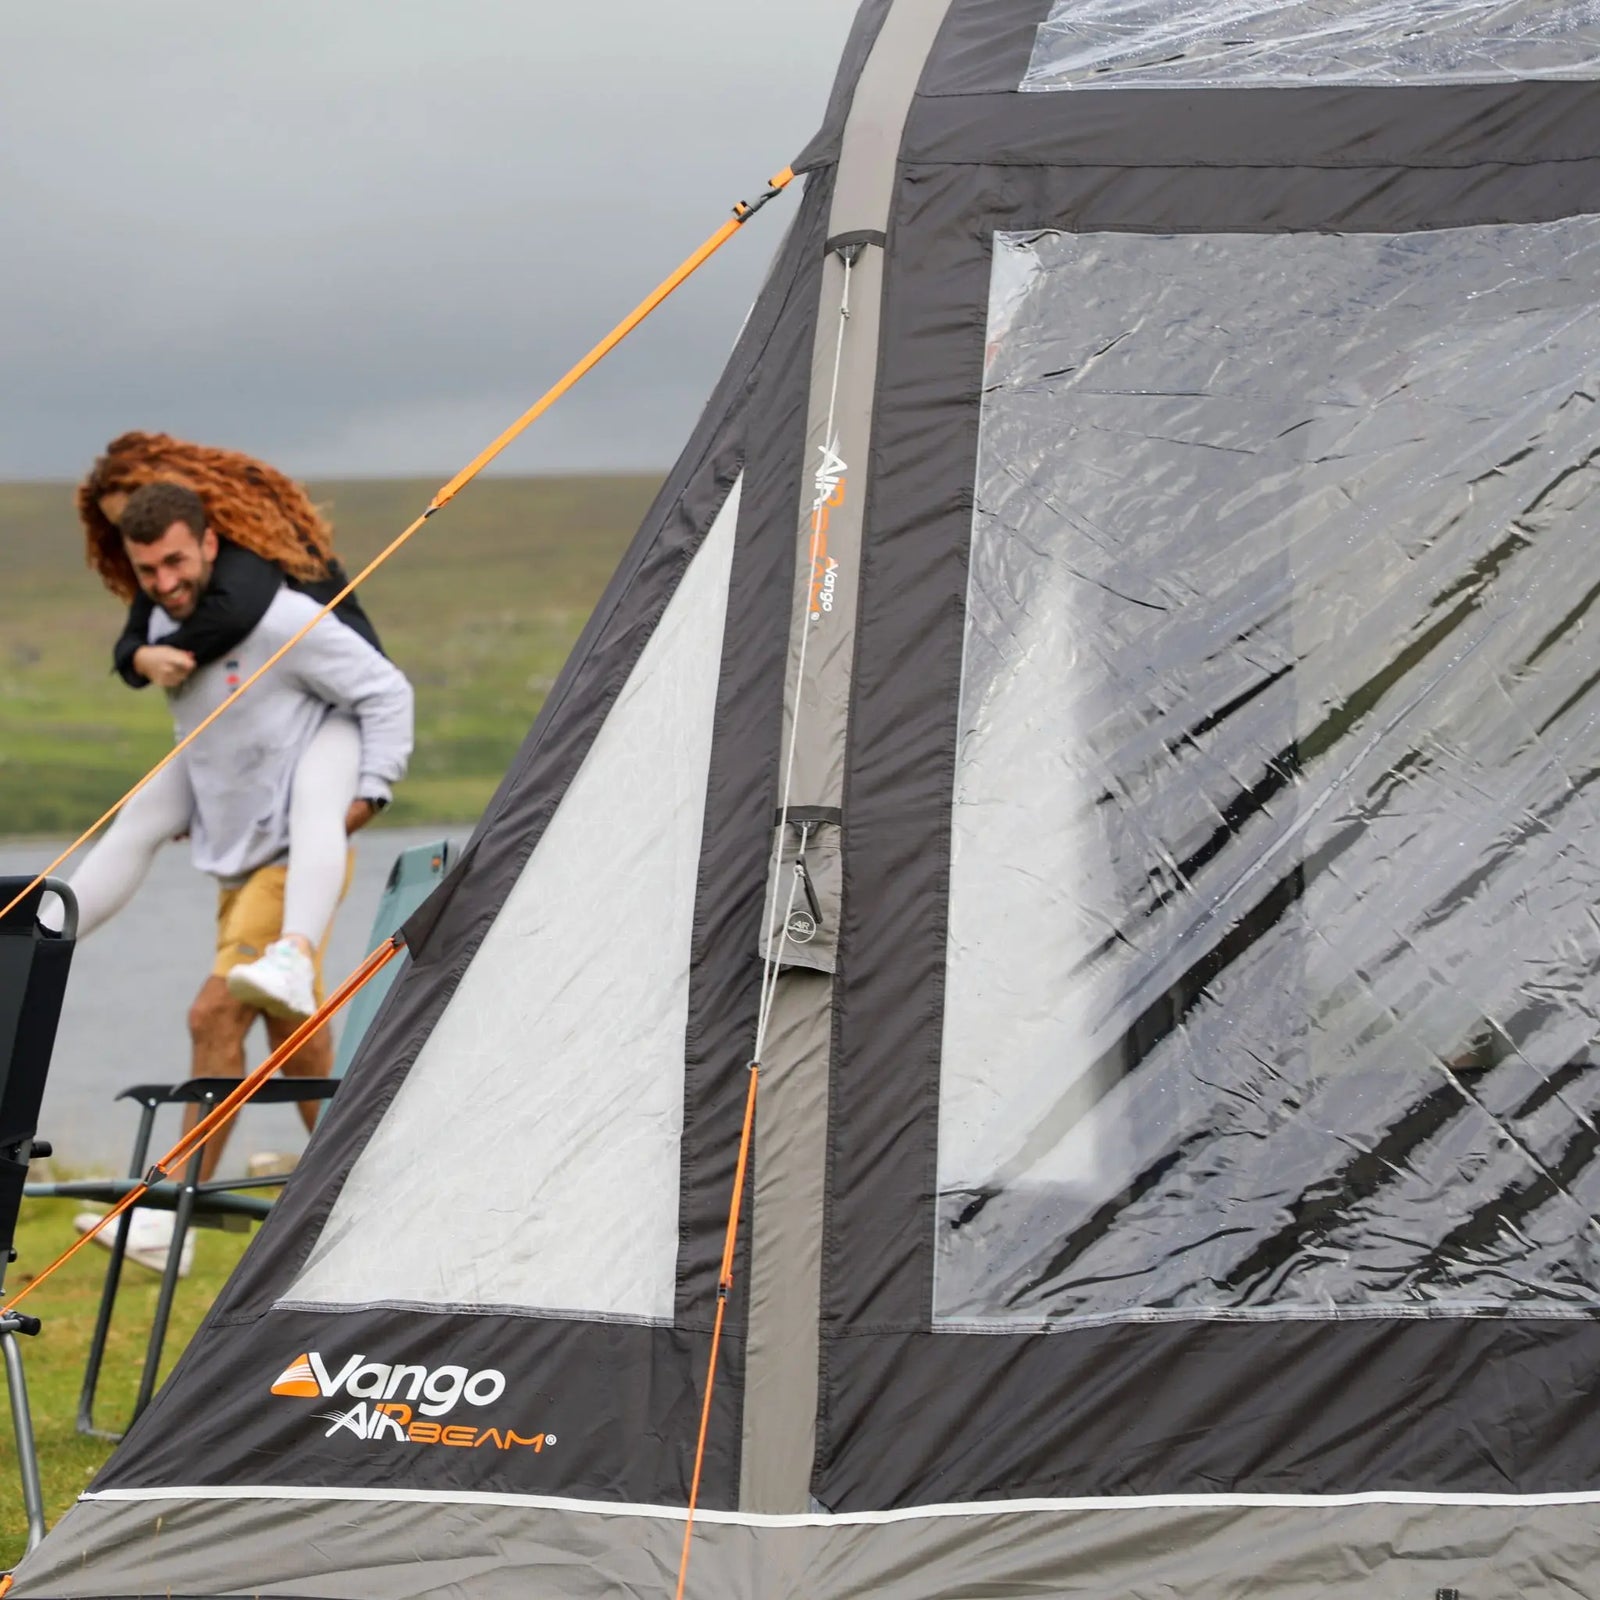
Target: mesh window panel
x: 546, y: 1107
x: 1272, y: 971
x: 1188, y: 44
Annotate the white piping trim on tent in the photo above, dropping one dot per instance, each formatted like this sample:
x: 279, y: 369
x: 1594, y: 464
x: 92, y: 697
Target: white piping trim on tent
x: 772, y: 960
x: 753, y: 1519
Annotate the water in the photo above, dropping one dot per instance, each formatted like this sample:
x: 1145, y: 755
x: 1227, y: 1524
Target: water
x: 124, y: 1021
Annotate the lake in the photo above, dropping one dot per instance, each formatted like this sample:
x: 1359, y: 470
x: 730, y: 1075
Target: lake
x: 124, y: 1018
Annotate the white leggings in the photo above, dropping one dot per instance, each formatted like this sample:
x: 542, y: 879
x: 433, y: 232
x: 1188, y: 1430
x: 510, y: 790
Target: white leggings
x: 324, y: 785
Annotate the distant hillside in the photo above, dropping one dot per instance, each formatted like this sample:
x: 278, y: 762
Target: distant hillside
x: 480, y: 609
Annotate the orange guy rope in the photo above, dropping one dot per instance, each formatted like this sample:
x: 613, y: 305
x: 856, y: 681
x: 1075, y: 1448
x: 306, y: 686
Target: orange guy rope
x: 224, y: 1110
x: 724, y: 1284
x: 742, y: 213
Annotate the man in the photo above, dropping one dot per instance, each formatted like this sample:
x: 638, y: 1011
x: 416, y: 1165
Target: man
x: 241, y: 770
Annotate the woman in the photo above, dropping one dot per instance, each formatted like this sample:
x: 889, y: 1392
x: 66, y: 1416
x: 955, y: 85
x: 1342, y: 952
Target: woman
x: 268, y: 533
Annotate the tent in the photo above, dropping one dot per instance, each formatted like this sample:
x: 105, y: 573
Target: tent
x: 1104, y: 709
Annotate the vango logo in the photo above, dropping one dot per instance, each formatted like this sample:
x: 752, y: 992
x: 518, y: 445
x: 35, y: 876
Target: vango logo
x: 396, y: 1402
x: 831, y: 487
x: 299, y: 1380
x: 435, y: 1391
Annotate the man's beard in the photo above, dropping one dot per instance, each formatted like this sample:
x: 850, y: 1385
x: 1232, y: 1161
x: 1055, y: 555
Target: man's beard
x: 180, y: 607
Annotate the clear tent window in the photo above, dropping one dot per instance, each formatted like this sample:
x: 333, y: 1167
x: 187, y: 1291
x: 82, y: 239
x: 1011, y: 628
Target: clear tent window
x: 1185, y: 44
x: 1273, y: 969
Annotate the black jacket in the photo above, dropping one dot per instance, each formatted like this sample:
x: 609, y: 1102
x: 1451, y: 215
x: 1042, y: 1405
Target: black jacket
x: 241, y: 588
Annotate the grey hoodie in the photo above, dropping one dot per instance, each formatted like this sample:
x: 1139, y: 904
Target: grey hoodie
x: 241, y: 768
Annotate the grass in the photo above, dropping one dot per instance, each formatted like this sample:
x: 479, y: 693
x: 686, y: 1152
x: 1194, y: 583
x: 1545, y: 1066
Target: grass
x: 67, y: 1305
x: 480, y: 610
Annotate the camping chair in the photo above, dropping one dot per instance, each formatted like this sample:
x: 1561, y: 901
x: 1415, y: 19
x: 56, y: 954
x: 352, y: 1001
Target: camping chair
x: 33, y: 982
x: 220, y: 1203
x: 225, y: 1202
x: 416, y: 873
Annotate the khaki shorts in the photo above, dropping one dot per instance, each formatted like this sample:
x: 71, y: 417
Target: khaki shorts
x: 250, y: 917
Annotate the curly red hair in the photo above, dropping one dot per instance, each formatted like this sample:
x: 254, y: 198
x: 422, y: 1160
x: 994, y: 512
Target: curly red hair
x: 246, y: 501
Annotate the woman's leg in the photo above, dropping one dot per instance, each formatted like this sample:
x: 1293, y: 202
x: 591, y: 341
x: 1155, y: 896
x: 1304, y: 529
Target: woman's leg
x: 324, y: 785
x: 106, y: 879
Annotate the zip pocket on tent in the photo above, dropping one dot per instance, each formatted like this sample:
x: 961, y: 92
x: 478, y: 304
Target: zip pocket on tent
x: 800, y: 920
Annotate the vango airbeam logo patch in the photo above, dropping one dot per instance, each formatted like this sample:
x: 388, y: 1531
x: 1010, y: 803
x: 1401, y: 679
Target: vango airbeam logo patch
x: 407, y: 1404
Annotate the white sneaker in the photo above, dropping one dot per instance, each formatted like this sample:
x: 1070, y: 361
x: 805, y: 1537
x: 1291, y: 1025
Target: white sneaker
x: 149, y: 1238
x: 279, y: 983
x: 271, y: 1164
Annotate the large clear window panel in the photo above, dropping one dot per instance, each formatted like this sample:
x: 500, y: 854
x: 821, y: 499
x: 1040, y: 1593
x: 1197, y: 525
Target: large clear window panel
x: 1273, y: 978
x: 1187, y: 44
x: 546, y: 1106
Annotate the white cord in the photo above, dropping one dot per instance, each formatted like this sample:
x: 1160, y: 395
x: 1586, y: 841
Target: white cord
x: 772, y: 959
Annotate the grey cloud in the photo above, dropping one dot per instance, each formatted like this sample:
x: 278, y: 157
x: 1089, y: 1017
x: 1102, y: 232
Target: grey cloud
x: 360, y: 235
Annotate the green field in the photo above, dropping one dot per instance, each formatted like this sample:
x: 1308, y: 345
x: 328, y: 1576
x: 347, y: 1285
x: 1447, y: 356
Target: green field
x: 480, y: 609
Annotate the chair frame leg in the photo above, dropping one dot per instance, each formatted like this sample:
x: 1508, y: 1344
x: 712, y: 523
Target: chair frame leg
x: 22, y: 1428
x: 113, y: 1280
x: 183, y: 1212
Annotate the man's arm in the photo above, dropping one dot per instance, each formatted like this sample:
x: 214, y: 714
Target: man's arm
x: 134, y: 637
x: 241, y: 587
x: 335, y: 664
x: 139, y: 664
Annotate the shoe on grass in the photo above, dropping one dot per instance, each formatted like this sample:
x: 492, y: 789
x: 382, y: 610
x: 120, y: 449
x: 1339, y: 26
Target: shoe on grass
x: 149, y: 1238
x: 279, y: 983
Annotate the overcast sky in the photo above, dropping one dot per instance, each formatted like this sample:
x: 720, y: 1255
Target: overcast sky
x: 360, y: 236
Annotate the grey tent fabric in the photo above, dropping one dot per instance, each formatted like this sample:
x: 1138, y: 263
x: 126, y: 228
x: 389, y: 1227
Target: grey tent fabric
x: 502, y: 1551
x: 1178, y: 1142
x: 792, y: 1117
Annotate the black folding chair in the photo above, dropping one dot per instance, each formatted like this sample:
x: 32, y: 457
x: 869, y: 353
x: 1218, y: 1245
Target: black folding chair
x: 33, y: 981
x: 217, y: 1203
x: 416, y: 872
